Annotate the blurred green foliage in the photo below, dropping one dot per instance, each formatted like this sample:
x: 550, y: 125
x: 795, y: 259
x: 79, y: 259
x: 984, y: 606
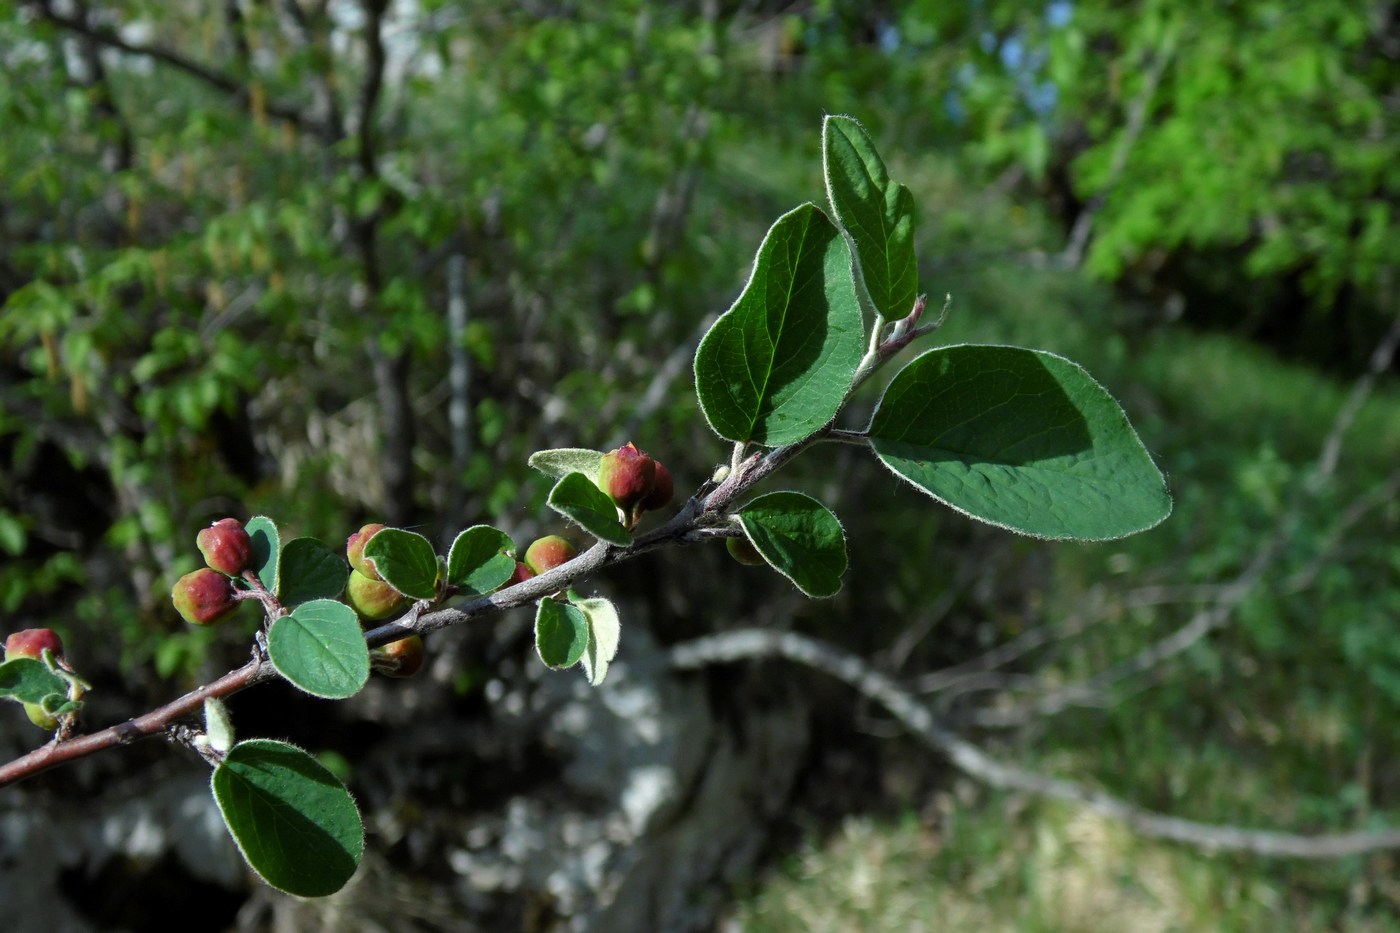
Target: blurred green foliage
x: 224, y: 283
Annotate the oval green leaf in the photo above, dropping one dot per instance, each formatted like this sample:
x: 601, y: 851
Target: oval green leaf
x: 293, y: 820
x: 777, y: 365
x: 320, y: 648
x: 310, y: 570
x: 406, y: 560
x: 29, y: 680
x: 604, y: 634
x: 579, y: 499
x: 561, y: 633
x: 267, y: 545
x: 562, y: 461
x: 480, y: 560
x: 876, y: 213
x: 798, y: 537
x: 1022, y: 439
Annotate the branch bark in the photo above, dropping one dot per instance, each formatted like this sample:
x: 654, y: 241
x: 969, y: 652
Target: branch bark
x: 753, y: 644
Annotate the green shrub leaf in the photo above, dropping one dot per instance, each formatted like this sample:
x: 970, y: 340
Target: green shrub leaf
x: 777, y: 365
x: 798, y: 537
x: 310, y: 570
x: 562, y: 461
x: 561, y: 633
x: 267, y: 545
x: 604, y: 633
x: 579, y: 499
x: 1022, y: 439
x: 29, y: 680
x: 406, y: 560
x: 876, y: 214
x: 480, y: 560
x: 293, y: 820
x: 321, y: 649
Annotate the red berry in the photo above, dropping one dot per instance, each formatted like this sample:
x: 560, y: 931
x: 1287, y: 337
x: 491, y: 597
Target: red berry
x: 522, y: 573
x: 226, y: 546
x: 355, y: 550
x: 402, y: 658
x: 662, y: 491
x: 627, y: 476
x: 549, y: 552
x: 31, y: 642
x: 204, y: 596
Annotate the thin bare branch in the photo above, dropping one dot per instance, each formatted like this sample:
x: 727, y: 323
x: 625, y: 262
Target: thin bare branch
x: 752, y: 644
x: 219, y: 80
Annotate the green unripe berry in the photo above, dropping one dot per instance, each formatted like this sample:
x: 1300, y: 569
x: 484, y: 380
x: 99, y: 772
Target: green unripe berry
x: 226, y: 546
x: 402, y: 658
x: 374, y: 600
x: 742, y: 550
x: 627, y: 475
x: 549, y: 552
x: 204, y: 596
x: 41, y: 717
x: 355, y: 550
x: 31, y: 642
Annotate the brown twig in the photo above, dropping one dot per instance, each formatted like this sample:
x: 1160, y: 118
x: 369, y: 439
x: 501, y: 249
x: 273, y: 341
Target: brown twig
x: 747, y: 644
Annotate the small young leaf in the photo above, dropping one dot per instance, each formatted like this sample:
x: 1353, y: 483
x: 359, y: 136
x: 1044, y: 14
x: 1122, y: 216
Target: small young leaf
x: 561, y: 633
x: 798, y: 537
x: 267, y: 545
x: 218, y: 725
x: 480, y: 560
x: 321, y: 649
x: 562, y: 461
x: 579, y: 499
x: 309, y: 570
x: 777, y: 365
x: 1022, y: 439
x: 406, y: 561
x: 293, y: 820
x: 604, y: 632
x: 29, y: 680
x: 876, y: 214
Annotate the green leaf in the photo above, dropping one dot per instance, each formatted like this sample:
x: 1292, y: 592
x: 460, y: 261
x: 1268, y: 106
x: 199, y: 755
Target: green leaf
x: 604, y: 633
x: 266, y: 547
x: 579, y: 499
x: 562, y: 461
x: 29, y: 680
x: 561, y: 633
x: 481, y: 559
x: 875, y: 213
x: 321, y: 649
x: 293, y: 820
x: 406, y: 561
x: 310, y: 570
x: 1022, y: 439
x: 798, y: 537
x: 777, y: 365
